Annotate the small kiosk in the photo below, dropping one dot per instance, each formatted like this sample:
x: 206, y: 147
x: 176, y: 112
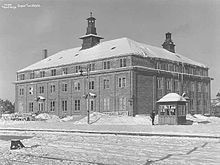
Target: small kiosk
x: 172, y: 109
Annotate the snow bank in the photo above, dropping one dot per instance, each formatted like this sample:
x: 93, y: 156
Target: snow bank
x: 72, y: 118
x: 97, y: 118
x: 48, y: 117
x: 199, y: 118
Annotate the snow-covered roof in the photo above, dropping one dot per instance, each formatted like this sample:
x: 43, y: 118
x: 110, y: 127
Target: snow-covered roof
x: 171, y: 97
x: 107, y: 49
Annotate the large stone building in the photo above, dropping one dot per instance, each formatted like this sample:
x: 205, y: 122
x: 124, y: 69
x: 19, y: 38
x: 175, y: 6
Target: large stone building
x: 125, y: 76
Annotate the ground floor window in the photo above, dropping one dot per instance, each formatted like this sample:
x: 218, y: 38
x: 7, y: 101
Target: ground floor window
x: 106, y: 102
x: 31, y: 106
x: 77, y: 105
x: 41, y: 106
x: 64, y: 105
x: 122, y: 103
x: 92, y: 106
x: 52, y: 106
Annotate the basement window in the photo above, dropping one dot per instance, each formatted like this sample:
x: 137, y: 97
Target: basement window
x: 113, y: 48
x: 76, y: 54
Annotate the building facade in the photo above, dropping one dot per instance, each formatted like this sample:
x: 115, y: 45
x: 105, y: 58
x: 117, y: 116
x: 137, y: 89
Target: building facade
x: 127, y: 77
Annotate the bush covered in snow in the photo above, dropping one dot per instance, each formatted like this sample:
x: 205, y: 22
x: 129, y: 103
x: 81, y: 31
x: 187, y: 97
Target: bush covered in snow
x: 47, y: 117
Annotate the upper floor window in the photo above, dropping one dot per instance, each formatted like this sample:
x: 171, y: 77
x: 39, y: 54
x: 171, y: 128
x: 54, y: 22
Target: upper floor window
x: 192, y: 86
x: 106, y: 83
x: 77, y: 68
x: 168, y: 84
x: 199, y: 87
x: 41, y: 89
x: 123, y: 62
x: 158, y: 65
x: 159, y: 83
x: 65, y: 71
x: 106, y: 64
x: 21, y: 91
x: 91, y: 67
x: 176, y: 85
x: 170, y: 67
x: 76, y: 86
x: 32, y: 75
x: 42, y: 73
x: 52, y: 88
x: 91, y: 84
x: 31, y: 90
x: 121, y: 82
x: 64, y: 87
x: 22, y: 76
x: 53, y: 72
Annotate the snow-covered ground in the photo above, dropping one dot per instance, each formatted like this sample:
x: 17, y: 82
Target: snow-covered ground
x: 199, y: 124
x: 90, y: 149
x: 87, y: 149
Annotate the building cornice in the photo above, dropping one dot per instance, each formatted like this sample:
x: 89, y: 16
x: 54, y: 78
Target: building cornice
x: 148, y: 70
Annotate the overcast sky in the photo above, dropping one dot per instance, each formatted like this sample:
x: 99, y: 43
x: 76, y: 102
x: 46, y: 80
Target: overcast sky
x: 58, y: 24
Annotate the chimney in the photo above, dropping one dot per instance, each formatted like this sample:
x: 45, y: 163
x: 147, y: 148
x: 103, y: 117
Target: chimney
x: 44, y: 53
x: 168, y: 43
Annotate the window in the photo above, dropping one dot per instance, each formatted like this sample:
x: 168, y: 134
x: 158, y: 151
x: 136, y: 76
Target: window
x: 52, y: 88
x: 123, y: 62
x: 64, y: 105
x: 76, y: 86
x: 22, y: 76
x: 77, y: 105
x: 91, y: 67
x: 41, y: 106
x: 192, y: 87
x: 170, y: 67
x: 176, y: 85
x: 77, y: 68
x: 53, y: 72
x: 32, y: 75
x: 106, y: 102
x: 31, y: 106
x: 41, y: 89
x: 21, y: 91
x: 92, y: 105
x: 52, y: 106
x: 168, y: 84
x: 199, y: 86
x: 159, y: 83
x: 122, y: 82
x: 106, y: 83
x: 91, y: 84
x: 31, y: 90
x: 158, y: 65
x: 122, y: 103
x: 106, y: 64
x: 42, y: 73
x: 65, y: 71
x: 64, y: 87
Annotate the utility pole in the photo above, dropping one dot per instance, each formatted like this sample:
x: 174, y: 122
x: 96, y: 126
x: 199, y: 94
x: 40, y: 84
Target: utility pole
x: 87, y: 95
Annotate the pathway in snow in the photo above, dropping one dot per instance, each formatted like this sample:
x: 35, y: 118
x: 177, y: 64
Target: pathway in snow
x: 84, y: 149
